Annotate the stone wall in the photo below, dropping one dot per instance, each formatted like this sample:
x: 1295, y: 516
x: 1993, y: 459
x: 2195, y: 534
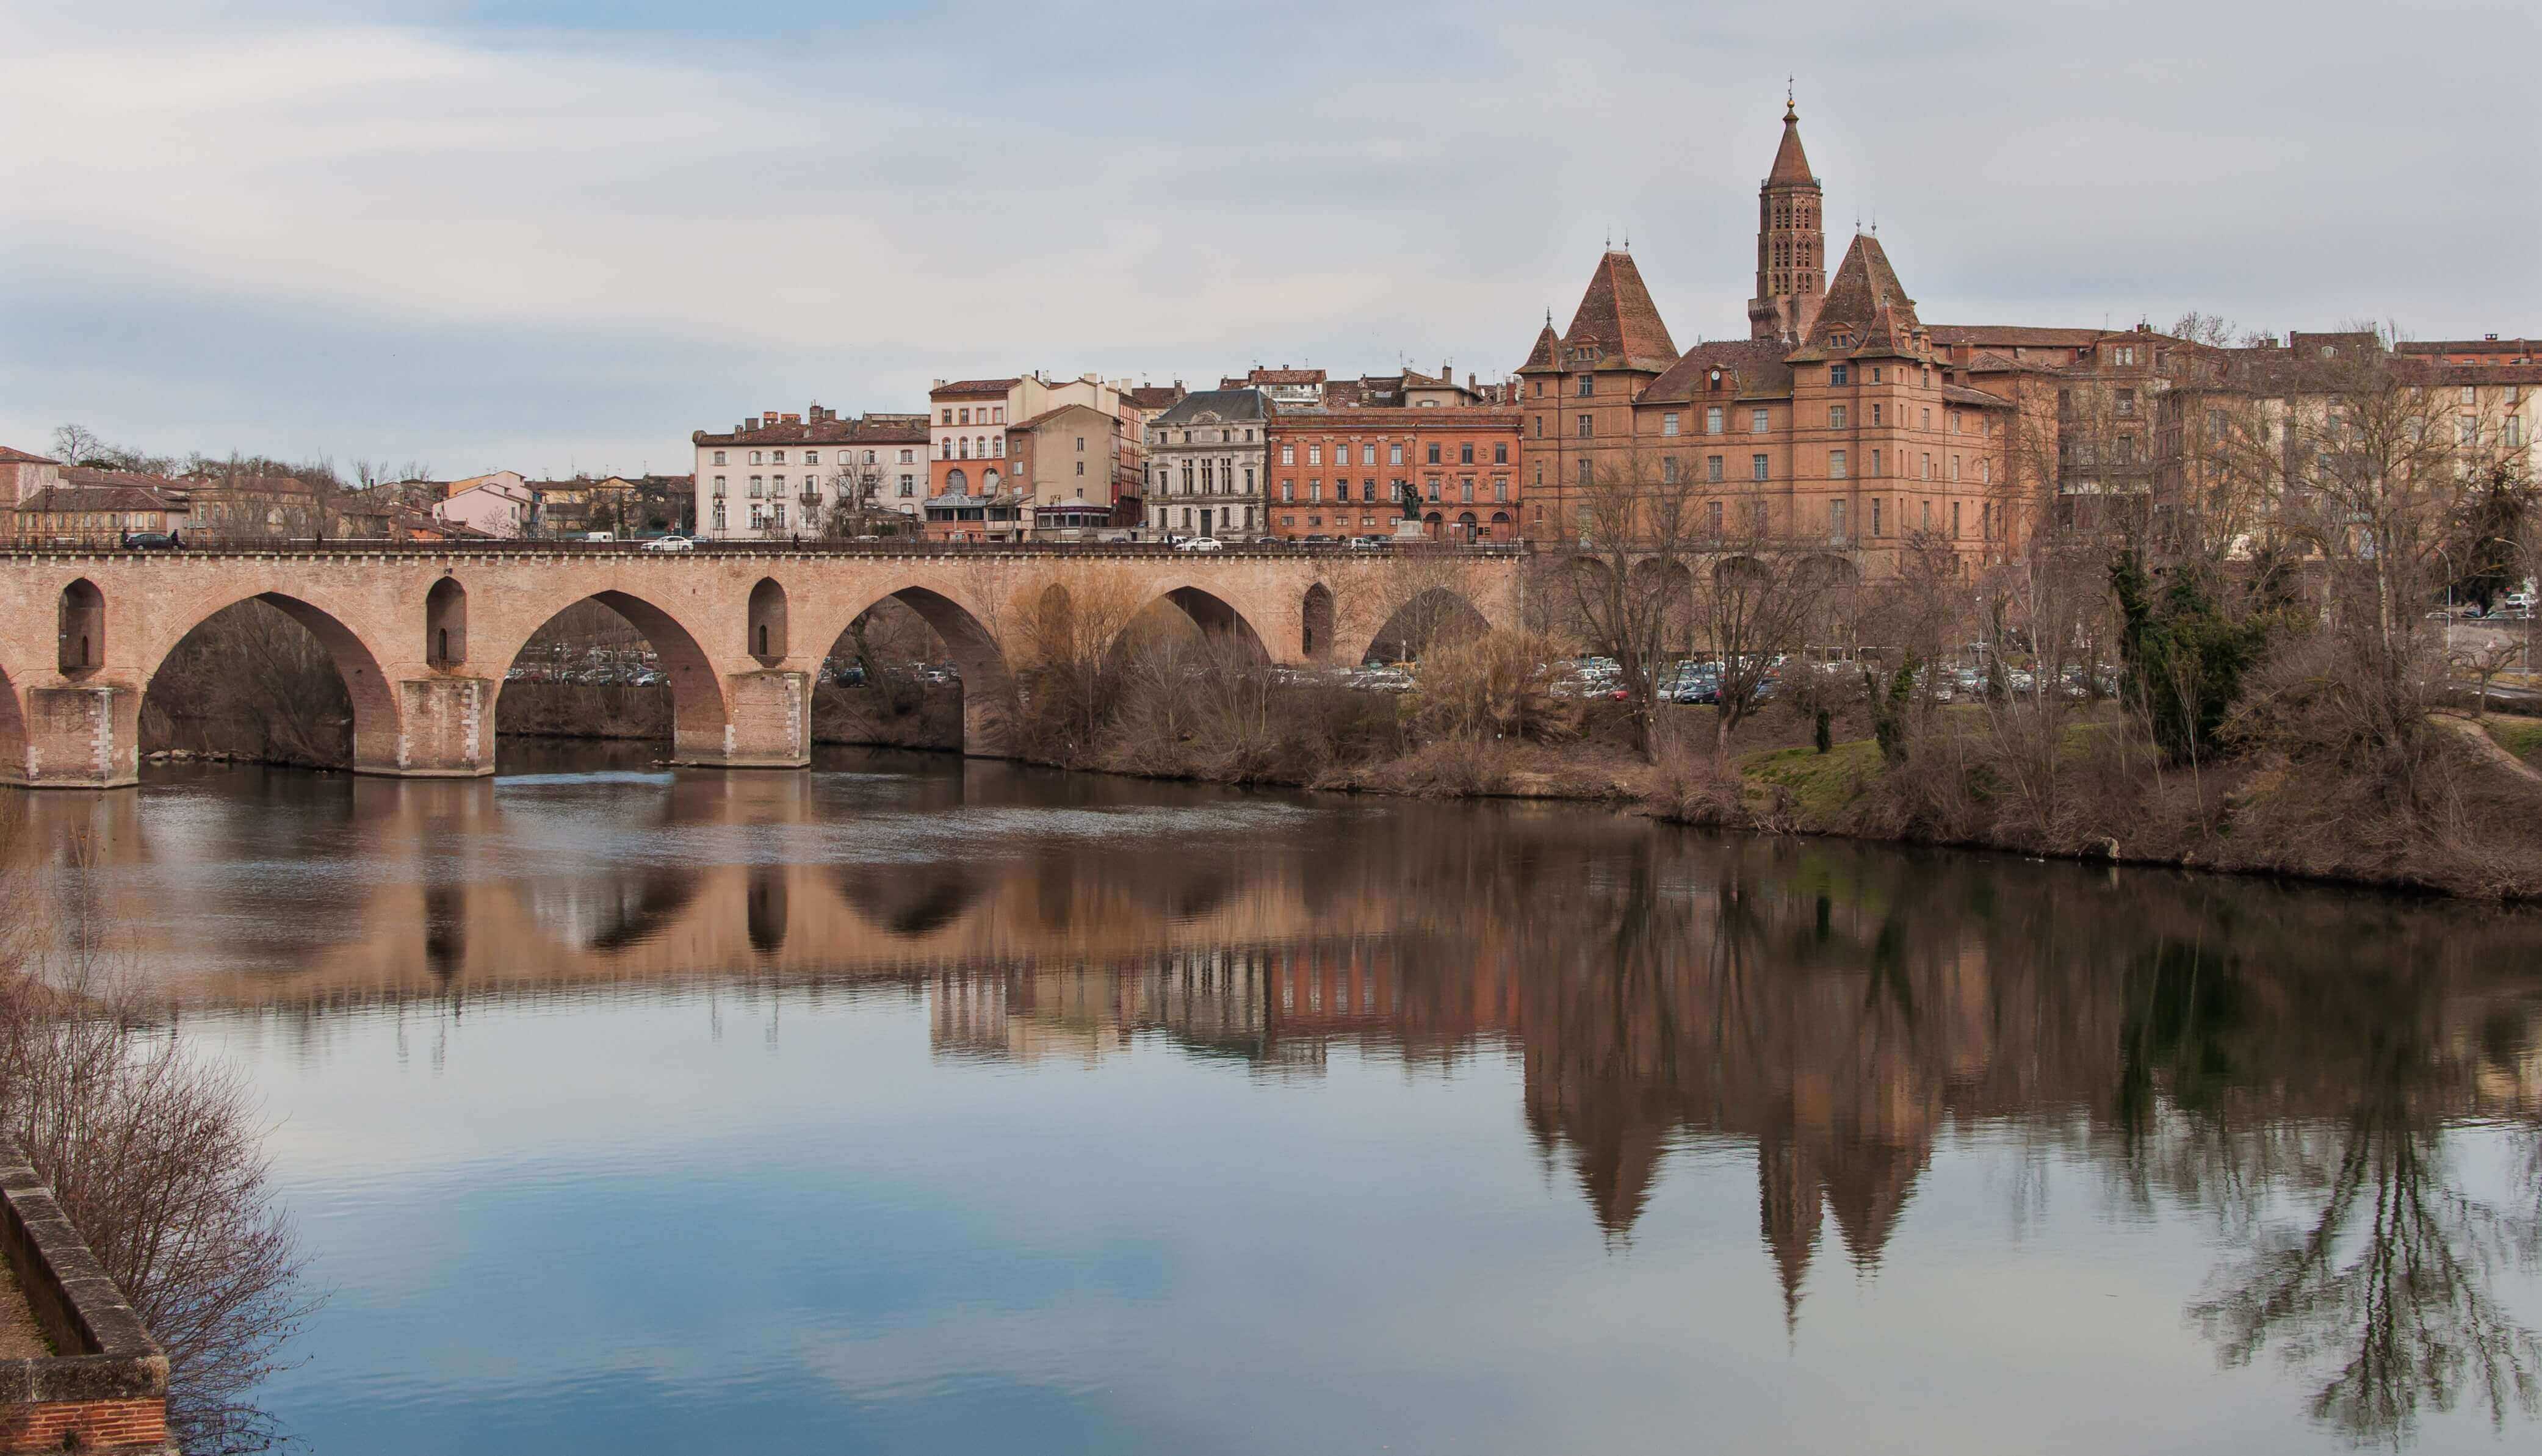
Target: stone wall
x: 106, y: 1386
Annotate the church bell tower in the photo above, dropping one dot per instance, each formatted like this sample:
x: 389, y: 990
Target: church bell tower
x: 1791, y: 247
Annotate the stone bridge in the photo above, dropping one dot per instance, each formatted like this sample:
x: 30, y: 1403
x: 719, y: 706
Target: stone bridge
x: 425, y: 636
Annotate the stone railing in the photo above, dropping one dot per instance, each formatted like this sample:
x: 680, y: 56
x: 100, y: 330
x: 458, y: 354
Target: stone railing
x: 105, y: 1386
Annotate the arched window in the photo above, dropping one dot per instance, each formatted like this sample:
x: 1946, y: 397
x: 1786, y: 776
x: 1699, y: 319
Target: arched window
x: 445, y: 625
x: 988, y: 482
x: 83, y: 627
x: 956, y: 484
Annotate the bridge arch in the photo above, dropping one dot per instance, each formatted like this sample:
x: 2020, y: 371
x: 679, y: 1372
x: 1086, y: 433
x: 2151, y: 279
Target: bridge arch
x: 698, y: 717
x: 990, y: 702
x: 1219, y: 620
x: 376, y: 721
x: 1433, y: 615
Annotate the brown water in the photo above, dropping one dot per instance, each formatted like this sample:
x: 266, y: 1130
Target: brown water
x: 920, y: 1105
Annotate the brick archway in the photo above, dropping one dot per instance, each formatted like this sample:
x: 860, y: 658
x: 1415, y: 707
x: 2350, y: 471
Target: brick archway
x: 700, y: 715
x: 966, y: 626
x: 377, y: 721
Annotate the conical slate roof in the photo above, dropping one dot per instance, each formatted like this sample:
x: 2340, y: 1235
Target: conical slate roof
x: 1543, y: 356
x: 1791, y: 163
x: 1616, y: 318
x: 1865, y: 303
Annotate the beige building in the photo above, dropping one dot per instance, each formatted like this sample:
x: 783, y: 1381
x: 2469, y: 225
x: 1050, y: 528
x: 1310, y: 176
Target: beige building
x: 811, y: 475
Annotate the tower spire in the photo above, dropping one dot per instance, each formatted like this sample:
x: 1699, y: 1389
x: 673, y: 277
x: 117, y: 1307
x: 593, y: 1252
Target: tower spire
x: 1791, y: 249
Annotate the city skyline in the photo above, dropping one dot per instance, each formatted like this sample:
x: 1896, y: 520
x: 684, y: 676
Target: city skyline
x: 479, y: 240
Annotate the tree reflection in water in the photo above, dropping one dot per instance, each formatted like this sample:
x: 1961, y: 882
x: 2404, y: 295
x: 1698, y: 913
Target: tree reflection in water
x: 2381, y: 1285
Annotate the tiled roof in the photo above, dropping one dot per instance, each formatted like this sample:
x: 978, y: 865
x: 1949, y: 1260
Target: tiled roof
x: 1963, y: 395
x: 94, y: 479
x: 1756, y: 364
x: 1617, y: 318
x: 99, y: 498
x: 891, y: 430
x: 21, y: 456
x: 1284, y: 376
x: 1154, y: 397
x: 2011, y: 335
x: 973, y: 388
x: 1226, y: 404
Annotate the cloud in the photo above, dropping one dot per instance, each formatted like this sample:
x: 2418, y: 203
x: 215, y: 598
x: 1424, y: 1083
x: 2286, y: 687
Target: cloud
x: 564, y: 231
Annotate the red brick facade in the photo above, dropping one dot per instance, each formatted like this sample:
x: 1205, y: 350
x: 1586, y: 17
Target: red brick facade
x: 1340, y: 472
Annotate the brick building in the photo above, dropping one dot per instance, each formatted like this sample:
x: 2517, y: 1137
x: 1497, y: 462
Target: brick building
x: 1340, y: 471
x: 1838, y: 422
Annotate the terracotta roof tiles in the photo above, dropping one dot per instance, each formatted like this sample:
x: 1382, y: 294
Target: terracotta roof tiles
x: 1619, y: 319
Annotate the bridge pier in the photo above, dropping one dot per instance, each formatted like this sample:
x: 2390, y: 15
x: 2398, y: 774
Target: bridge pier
x: 766, y: 723
x: 445, y: 730
x: 85, y: 735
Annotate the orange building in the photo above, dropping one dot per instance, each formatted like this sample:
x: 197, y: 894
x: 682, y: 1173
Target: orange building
x: 1340, y: 472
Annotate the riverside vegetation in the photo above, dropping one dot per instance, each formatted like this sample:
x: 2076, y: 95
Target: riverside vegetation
x: 2250, y: 682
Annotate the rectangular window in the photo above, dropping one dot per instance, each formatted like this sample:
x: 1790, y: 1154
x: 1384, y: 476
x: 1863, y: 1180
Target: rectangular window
x: 719, y: 460
x: 1712, y: 467
x: 963, y: 418
x: 1712, y: 420
x: 1367, y: 453
x: 1875, y: 414
x: 1955, y: 518
x: 1955, y: 466
x: 1839, y: 374
x: 1583, y: 473
x: 2514, y: 432
x: 1434, y: 452
x: 1875, y: 463
x: 1759, y: 468
x: 758, y: 487
x: 1315, y: 455
x: 1835, y: 521
x: 1668, y: 423
x: 1835, y: 464
x: 1315, y: 491
x: 1394, y: 451
x: 1668, y: 469
x: 1759, y: 420
x: 1466, y: 490
x: 1081, y: 468
x: 1712, y: 516
x: 777, y: 457
x: 1954, y: 423
x: 1835, y: 417
x: 1288, y: 452
x: 1466, y: 452
x: 1876, y: 526
x: 811, y: 457
x: 2127, y: 401
x: 1588, y: 385
x: 1499, y: 452
x: 2467, y: 430
x: 1500, y: 487
x: 908, y: 485
x: 1287, y: 491
x: 718, y: 485
x: 1928, y: 467
x: 1584, y: 427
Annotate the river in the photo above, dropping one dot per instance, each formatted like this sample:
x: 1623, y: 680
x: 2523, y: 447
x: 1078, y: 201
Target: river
x: 915, y: 1104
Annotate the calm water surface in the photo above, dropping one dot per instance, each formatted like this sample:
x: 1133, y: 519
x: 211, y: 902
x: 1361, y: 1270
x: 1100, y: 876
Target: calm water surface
x: 914, y: 1104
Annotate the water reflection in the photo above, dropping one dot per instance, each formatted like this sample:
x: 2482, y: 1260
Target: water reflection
x: 2288, y: 1066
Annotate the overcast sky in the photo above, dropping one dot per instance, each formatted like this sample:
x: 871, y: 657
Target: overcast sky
x: 561, y: 234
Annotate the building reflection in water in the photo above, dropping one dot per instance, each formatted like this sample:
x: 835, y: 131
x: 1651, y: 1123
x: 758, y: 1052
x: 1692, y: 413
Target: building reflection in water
x: 2286, y: 1063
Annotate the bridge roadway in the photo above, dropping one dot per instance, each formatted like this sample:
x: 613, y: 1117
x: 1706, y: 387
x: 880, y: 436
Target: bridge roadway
x: 424, y: 634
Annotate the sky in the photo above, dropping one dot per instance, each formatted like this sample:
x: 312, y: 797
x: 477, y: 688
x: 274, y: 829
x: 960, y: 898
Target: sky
x: 559, y: 235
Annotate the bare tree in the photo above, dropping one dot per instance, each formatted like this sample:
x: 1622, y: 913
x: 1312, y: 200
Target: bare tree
x: 154, y: 1152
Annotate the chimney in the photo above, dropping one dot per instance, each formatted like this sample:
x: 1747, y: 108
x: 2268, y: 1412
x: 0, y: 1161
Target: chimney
x: 1446, y: 376
x: 1469, y: 382
x: 2491, y: 338
x: 768, y: 416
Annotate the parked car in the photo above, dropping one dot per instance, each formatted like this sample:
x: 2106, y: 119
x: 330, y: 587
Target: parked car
x: 1367, y: 542
x: 600, y: 536
x: 149, y: 540
x: 1198, y: 544
x: 670, y: 544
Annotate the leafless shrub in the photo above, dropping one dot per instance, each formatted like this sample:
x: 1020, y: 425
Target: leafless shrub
x: 253, y: 683
x: 156, y: 1154
x: 1500, y: 685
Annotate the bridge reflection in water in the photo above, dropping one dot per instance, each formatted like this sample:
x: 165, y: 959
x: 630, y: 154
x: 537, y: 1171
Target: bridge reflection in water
x: 1832, y: 1011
